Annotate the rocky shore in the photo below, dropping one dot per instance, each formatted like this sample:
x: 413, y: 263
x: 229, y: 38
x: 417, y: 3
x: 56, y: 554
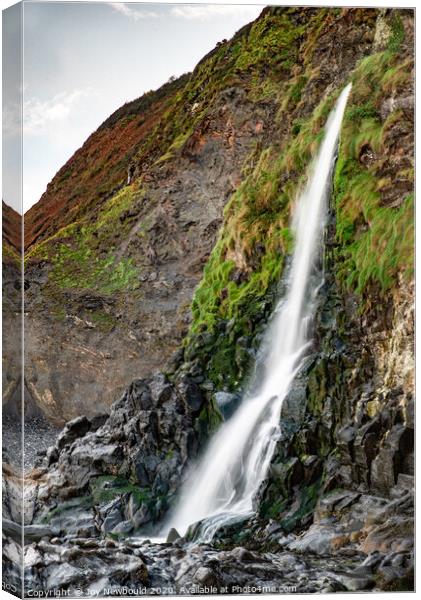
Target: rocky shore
x: 362, y: 549
x: 103, y: 489
x: 39, y: 436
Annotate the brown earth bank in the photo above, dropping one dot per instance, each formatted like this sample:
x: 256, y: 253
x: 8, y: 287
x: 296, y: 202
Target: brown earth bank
x: 78, y: 361
x: 336, y: 510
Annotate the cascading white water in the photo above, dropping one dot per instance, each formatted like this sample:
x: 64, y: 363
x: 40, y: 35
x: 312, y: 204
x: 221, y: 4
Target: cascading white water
x: 224, y: 483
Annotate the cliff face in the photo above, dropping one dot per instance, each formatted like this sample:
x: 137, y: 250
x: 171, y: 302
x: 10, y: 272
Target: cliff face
x: 11, y: 306
x: 112, y: 267
x: 109, y: 293
x: 189, y: 257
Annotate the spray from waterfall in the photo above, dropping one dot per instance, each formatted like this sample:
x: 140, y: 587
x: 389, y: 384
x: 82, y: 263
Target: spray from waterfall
x: 222, y: 487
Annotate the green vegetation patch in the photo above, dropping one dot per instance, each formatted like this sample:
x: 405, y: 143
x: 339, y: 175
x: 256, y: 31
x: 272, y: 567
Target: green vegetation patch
x: 83, y: 255
x: 271, y: 36
x: 248, y: 259
x: 11, y: 254
x: 259, y: 59
x: 106, y: 487
x: 376, y: 241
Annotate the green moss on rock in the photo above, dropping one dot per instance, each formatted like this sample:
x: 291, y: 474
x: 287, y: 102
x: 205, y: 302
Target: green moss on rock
x: 238, y: 288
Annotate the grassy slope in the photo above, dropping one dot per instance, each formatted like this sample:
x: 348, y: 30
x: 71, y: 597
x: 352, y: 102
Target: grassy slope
x: 82, y: 253
x: 272, y: 58
x: 375, y: 241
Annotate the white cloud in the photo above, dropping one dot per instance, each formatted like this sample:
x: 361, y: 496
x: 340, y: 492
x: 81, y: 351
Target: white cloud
x: 133, y: 13
x: 203, y: 12
x: 39, y: 116
x: 200, y: 12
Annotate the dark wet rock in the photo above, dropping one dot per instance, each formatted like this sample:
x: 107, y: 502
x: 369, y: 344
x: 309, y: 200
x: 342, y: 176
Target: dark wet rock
x: 112, y: 520
x: 355, y: 583
x: 192, y: 394
x: 336, y: 503
x: 147, y: 439
x: 173, y: 535
x: 244, y: 555
x: 73, y: 429
x: 12, y: 530
x: 52, y: 455
x: 35, y: 532
x: 98, y: 421
x: 133, y: 562
x: 385, y: 468
x: 404, y: 484
x: 347, y: 433
x: 294, y: 404
x: 313, y: 467
x: 132, y: 505
x: 227, y: 403
x: 289, y: 471
x: 317, y: 539
x: 206, y: 576
x: 123, y: 528
x: 62, y: 575
x: 396, y: 572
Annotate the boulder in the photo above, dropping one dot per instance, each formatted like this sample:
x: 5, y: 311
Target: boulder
x: 62, y: 575
x: 73, y: 429
x: 35, y: 532
x: 173, y: 535
x: 113, y: 518
x: 191, y: 393
x: 123, y: 528
x: 141, y: 516
x: 398, y: 442
x: 317, y: 540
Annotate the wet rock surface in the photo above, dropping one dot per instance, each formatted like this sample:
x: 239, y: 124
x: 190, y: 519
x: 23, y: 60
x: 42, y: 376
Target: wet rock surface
x: 129, y: 464
x: 344, y: 464
x: 80, y: 564
x: 87, y: 526
x: 169, y: 569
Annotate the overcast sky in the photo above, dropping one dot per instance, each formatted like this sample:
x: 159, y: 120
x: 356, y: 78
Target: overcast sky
x: 84, y: 60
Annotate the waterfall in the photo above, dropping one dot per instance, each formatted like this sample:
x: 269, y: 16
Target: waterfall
x: 222, y: 486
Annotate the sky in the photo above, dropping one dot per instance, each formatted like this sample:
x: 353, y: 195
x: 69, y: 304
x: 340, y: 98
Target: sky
x: 82, y: 61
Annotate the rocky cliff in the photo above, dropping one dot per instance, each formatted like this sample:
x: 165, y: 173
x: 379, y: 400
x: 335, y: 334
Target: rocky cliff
x: 111, y: 273
x: 184, y: 251
x: 112, y: 266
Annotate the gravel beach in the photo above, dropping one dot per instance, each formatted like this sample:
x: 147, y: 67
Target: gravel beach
x: 39, y: 435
